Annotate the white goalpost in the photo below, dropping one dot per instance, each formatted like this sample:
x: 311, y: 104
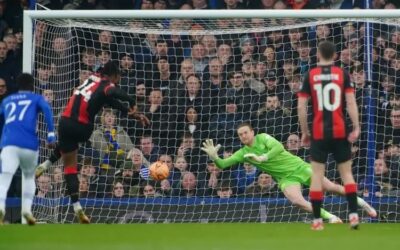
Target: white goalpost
x: 197, y: 75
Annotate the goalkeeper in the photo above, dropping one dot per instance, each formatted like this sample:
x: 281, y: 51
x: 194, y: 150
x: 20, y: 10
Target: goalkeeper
x: 290, y: 171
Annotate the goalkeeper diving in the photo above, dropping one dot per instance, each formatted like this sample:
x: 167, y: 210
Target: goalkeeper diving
x: 290, y: 171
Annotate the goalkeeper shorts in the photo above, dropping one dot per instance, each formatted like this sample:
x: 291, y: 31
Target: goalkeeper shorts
x: 301, y: 176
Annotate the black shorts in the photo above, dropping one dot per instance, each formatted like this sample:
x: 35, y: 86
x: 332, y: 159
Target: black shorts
x: 71, y: 133
x: 340, y: 148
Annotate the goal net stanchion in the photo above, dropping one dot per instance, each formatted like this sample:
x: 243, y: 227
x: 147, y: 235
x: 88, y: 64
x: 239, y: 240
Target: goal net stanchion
x: 198, y: 75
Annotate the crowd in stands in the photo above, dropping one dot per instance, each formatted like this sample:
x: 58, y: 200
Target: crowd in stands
x: 196, y: 85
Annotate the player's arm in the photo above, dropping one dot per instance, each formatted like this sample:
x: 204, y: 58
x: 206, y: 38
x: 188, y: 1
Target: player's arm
x: 273, y: 147
x: 48, y: 116
x: 119, y: 94
x: 232, y: 160
x: 302, y: 103
x: 212, y: 152
x: 352, y: 108
x: 117, y: 104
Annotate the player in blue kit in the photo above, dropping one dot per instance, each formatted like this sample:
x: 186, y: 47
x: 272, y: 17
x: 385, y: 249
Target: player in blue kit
x: 19, y: 141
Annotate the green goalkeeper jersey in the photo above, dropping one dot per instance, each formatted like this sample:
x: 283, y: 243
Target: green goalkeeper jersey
x: 279, y: 165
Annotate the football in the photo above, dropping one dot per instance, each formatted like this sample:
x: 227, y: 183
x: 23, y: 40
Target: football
x: 159, y: 171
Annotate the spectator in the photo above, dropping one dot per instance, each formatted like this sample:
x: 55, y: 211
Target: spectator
x: 165, y: 188
x: 214, y: 79
x: 386, y: 183
x: 163, y: 77
x: 193, y: 96
x: 290, y: 97
x: 48, y: 95
x: 187, y: 186
x: 3, y: 89
x: 158, y: 112
x: 150, y: 151
x: 103, y: 57
x: 141, y: 99
x: 135, y: 170
x: 174, y: 173
x: 14, y: 50
x: 244, y: 176
x: 84, y: 73
x: 273, y: 119
x: 44, y: 77
x: 248, y: 76
x: 210, y: 180
x: 84, y: 188
x: 118, y: 190
x: 149, y: 191
x: 147, y: 5
x: 224, y: 54
x: 200, y: 4
x: 190, y: 150
x: 273, y: 86
x: 306, y: 60
x: 199, y: 58
x: 8, y: 68
x: 192, y: 125
x: 57, y: 182
x: 225, y: 190
x: 129, y: 77
x: 210, y: 46
x: 247, y: 48
x: 88, y: 59
x: 43, y: 186
x: 293, y: 146
x: 390, y: 129
x: 111, y: 140
x: 264, y: 187
x: 233, y: 4
x: 223, y: 124
x: 187, y: 69
x: 244, y: 97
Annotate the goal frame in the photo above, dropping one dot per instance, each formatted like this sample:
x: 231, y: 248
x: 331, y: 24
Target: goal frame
x: 30, y: 16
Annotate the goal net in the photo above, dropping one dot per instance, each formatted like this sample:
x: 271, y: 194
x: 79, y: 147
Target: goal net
x: 200, y: 78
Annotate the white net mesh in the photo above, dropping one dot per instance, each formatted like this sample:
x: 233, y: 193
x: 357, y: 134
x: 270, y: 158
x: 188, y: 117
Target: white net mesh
x: 198, y: 79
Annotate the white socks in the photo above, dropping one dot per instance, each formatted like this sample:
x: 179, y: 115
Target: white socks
x: 361, y: 202
x: 46, y: 164
x: 28, y: 192
x: 5, y: 181
x: 77, y: 206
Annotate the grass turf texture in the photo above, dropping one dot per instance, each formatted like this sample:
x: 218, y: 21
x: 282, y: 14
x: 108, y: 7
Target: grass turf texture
x: 221, y: 236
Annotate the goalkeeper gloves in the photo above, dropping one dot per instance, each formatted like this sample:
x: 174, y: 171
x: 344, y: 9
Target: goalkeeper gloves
x: 211, y: 151
x: 254, y: 157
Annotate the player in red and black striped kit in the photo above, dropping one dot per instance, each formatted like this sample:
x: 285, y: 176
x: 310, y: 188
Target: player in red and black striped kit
x: 331, y: 92
x: 77, y: 122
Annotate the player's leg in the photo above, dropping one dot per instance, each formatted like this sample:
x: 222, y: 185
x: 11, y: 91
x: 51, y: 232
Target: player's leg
x: 54, y: 157
x: 351, y: 192
x: 342, y: 155
x: 71, y: 179
x: 9, y: 164
x: 316, y: 192
x: 331, y: 187
x: 70, y: 134
x: 294, y: 194
x: 319, y: 154
x: 29, y: 160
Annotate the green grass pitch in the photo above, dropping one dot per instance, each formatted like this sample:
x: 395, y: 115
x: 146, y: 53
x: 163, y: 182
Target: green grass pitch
x: 221, y: 236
